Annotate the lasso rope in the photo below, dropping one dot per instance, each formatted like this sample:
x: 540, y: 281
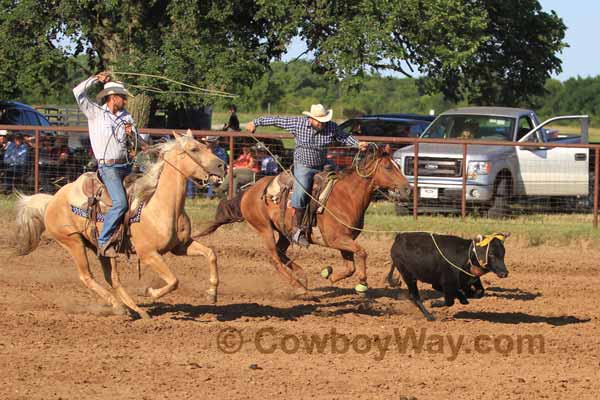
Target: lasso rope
x: 211, y: 92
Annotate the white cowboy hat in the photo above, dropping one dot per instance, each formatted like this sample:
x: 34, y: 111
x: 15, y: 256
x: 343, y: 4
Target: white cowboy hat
x: 112, y: 88
x: 212, y: 139
x: 318, y: 112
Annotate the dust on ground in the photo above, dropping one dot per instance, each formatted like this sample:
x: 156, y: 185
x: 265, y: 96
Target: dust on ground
x: 58, y: 341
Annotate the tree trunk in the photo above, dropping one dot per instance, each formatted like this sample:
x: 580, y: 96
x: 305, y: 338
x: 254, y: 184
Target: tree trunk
x: 140, y: 108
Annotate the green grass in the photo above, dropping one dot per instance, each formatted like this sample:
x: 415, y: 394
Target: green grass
x: 576, y: 129
x: 531, y: 230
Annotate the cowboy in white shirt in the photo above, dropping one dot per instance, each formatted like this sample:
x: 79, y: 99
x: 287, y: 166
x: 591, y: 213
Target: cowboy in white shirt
x: 108, y: 124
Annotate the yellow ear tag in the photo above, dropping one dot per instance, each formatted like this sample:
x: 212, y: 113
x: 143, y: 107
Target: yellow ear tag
x: 488, y: 238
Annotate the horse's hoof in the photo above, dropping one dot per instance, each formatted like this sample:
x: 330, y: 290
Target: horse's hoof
x: 326, y: 272
x: 144, y: 315
x: 148, y: 292
x: 212, y: 298
x: 119, y: 310
x: 361, y: 288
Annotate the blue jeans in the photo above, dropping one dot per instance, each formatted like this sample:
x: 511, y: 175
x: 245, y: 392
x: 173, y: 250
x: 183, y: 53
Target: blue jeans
x: 190, y: 189
x: 303, y: 180
x: 112, y: 176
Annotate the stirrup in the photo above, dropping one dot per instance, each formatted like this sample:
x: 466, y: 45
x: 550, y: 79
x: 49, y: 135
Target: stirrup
x: 299, y: 238
x: 108, y: 250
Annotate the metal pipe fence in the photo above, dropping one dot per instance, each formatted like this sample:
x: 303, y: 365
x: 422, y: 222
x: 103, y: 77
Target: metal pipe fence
x: 542, y: 183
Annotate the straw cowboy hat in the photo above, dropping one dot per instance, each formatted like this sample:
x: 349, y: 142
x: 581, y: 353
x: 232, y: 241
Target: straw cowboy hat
x: 112, y: 88
x: 318, y: 112
x: 212, y: 139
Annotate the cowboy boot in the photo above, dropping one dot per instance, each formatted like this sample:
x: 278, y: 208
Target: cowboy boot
x: 108, y: 250
x: 299, y: 235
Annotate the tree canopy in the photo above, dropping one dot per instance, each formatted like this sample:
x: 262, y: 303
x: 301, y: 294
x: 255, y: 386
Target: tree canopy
x: 485, y: 51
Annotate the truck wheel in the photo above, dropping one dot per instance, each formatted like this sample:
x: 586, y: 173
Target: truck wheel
x: 500, y: 207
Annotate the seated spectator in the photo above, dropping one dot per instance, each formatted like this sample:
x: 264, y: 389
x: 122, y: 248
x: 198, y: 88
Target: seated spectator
x: 469, y: 131
x: 241, y: 178
x: 3, y: 144
x: 404, y: 132
x: 47, y: 153
x: 245, y: 169
x: 64, y: 159
x: 246, y: 160
x: 268, y: 165
x: 356, y: 128
x: 213, y: 144
x: 47, y: 163
x: 15, y: 160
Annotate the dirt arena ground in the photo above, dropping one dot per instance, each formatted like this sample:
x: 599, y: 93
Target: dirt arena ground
x: 535, y: 335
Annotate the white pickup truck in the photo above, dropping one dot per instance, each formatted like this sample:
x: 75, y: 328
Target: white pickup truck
x: 497, y: 175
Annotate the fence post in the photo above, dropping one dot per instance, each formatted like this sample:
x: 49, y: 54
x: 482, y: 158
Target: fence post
x: 416, y: 182
x: 596, y: 170
x: 463, y: 196
x: 36, y: 162
x: 230, y: 173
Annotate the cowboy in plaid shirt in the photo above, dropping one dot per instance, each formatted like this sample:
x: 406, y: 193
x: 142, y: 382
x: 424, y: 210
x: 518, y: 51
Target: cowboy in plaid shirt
x: 312, y: 133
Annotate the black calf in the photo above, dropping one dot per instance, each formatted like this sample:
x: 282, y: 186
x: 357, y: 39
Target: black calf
x: 452, y: 265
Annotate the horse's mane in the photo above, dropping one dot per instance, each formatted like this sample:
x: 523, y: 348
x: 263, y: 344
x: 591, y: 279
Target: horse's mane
x: 145, y: 186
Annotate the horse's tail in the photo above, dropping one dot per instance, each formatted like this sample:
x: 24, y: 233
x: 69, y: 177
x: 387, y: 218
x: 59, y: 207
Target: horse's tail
x: 228, y: 212
x: 30, y: 220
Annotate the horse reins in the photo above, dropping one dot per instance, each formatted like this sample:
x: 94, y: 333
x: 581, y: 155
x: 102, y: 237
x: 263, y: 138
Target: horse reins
x: 338, y: 219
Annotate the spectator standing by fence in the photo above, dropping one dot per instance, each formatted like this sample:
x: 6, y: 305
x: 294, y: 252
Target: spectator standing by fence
x: 233, y: 123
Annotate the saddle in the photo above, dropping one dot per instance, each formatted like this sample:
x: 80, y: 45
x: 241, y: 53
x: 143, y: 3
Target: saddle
x: 90, y: 195
x: 281, y: 187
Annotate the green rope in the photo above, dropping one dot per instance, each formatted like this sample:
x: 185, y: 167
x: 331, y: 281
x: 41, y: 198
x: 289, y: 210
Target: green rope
x: 448, y: 261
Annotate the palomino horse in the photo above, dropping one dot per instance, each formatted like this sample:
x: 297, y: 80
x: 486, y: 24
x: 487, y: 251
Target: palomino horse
x: 345, y: 210
x: 163, y: 226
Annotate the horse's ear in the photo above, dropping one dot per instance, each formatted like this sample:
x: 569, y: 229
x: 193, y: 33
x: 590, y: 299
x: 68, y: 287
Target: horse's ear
x: 189, y: 133
x: 177, y: 135
x: 385, y: 151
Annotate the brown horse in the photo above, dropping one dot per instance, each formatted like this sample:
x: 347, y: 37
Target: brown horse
x: 163, y: 227
x: 339, y: 225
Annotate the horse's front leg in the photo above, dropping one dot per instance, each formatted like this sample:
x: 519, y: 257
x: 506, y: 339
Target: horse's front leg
x: 155, y: 261
x: 351, y: 251
x: 194, y: 248
x: 349, y: 268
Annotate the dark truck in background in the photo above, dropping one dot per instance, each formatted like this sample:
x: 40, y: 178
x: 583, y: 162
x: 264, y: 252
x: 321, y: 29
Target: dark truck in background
x: 382, y: 125
x: 498, y: 176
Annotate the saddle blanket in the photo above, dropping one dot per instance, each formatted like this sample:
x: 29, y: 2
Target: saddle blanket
x: 100, y: 217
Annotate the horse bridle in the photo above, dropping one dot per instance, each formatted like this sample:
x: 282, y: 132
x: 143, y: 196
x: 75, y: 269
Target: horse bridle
x: 184, y: 151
